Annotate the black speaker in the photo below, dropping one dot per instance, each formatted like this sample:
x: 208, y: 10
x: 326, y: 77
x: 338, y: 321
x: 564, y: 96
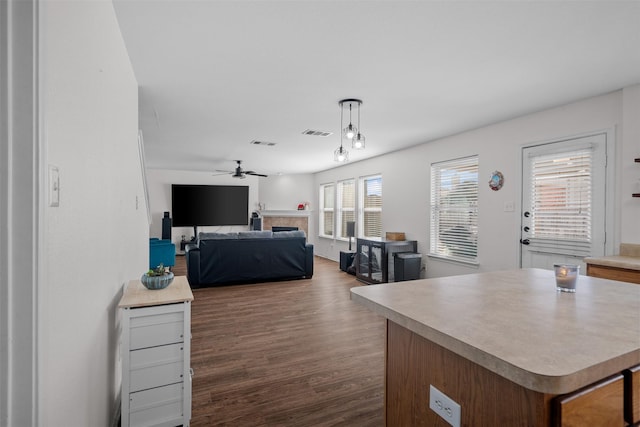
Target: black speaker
x: 255, y: 223
x: 166, y: 227
x: 351, y: 231
x: 351, y: 228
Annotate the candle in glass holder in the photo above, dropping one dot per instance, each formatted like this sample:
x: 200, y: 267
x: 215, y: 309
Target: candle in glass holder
x: 566, y: 277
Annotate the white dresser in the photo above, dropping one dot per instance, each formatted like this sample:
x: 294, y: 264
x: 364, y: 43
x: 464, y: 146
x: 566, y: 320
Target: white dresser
x: 155, y: 351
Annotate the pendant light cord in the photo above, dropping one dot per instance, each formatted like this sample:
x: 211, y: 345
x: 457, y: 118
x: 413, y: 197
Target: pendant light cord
x: 341, y: 123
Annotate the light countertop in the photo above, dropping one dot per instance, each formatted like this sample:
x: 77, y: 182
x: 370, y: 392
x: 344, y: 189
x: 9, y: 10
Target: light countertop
x: 617, y: 261
x: 628, y: 259
x: 516, y: 324
x: 136, y: 295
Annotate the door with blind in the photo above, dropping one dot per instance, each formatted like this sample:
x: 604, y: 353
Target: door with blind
x: 563, y: 202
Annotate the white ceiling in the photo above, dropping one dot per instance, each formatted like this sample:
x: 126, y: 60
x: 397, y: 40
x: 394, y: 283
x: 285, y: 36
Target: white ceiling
x: 215, y: 75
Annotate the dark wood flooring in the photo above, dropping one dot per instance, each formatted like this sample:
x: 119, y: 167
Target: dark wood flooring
x: 294, y: 353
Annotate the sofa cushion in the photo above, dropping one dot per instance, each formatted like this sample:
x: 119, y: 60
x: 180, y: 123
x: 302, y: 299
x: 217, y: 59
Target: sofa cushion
x: 267, y: 234
x: 217, y: 236
x: 289, y: 234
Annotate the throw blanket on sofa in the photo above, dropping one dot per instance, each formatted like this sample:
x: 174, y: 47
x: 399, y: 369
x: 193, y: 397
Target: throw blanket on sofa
x: 245, y: 257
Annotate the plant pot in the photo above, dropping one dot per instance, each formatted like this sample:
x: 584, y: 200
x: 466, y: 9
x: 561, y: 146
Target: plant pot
x: 157, y: 282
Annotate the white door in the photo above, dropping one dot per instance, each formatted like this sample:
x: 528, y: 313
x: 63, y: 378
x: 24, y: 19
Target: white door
x: 563, y: 202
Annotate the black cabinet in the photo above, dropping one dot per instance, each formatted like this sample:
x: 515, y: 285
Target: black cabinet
x: 374, y: 263
x: 406, y: 266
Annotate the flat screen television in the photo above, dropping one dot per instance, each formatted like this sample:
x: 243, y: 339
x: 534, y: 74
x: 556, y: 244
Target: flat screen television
x: 196, y: 205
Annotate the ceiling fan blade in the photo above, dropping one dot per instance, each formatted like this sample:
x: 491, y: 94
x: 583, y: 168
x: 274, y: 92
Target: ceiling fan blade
x: 255, y: 174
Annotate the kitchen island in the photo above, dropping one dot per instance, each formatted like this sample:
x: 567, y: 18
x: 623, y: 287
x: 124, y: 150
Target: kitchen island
x: 510, y: 349
x: 624, y: 267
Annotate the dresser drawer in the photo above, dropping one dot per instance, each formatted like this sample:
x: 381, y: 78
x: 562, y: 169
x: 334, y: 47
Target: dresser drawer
x: 154, y: 356
x: 157, y: 406
x: 600, y: 404
x: 156, y: 366
x: 157, y: 329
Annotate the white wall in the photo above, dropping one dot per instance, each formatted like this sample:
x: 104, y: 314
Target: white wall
x: 97, y: 239
x: 285, y: 192
x: 406, y: 180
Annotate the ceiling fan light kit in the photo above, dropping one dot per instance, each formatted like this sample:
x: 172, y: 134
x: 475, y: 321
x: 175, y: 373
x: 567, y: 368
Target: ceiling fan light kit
x: 351, y: 132
x: 240, y: 173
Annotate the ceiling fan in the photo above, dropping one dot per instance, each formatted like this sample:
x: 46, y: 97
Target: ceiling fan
x: 240, y: 173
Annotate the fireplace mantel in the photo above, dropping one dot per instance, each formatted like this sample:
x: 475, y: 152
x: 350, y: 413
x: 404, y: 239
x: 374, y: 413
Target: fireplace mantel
x: 285, y: 213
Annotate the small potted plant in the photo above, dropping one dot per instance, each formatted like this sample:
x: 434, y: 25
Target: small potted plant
x: 157, y: 278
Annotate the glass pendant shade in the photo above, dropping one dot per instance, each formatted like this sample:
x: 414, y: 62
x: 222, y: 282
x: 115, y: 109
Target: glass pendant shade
x: 350, y: 131
x: 357, y: 143
x: 341, y: 155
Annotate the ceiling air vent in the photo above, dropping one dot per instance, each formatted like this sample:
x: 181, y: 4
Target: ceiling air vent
x: 268, y: 144
x: 312, y: 132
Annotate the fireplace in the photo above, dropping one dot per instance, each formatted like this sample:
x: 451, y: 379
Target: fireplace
x: 293, y: 218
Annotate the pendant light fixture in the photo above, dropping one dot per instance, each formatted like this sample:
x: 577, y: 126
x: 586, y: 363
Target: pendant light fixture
x: 341, y: 155
x: 351, y: 132
x: 357, y: 143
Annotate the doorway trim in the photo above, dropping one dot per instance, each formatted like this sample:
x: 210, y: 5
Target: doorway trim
x: 610, y: 220
x: 21, y: 211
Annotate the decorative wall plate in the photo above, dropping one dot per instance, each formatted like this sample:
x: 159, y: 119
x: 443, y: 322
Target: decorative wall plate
x: 496, y: 181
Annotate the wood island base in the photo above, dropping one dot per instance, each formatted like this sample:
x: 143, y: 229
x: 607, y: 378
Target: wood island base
x: 413, y: 363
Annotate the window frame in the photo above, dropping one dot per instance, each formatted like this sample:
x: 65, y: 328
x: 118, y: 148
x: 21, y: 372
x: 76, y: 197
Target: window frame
x: 340, y: 209
x: 362, y: 210
x: 324, y: 209
x: 468, y: 246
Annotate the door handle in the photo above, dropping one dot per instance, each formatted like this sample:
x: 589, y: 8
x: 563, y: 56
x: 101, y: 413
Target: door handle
x: 525, y: 241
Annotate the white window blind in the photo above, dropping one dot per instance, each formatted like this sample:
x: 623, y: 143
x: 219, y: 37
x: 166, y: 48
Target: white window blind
x: 561, y: 193
x: 370, y: 207
x: 327, y: 201
x: 454, y: 209
x: 346, y: 206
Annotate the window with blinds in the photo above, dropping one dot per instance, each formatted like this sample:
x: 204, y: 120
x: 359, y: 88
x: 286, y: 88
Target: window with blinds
x: 346, y: 206
x: 327, y: 201
x: 454, y: 209
x: 370, y: 207
x: 561, y: 196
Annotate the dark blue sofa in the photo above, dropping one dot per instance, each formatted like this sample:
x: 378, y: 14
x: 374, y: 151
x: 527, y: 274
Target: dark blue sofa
x: 248, y: 257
